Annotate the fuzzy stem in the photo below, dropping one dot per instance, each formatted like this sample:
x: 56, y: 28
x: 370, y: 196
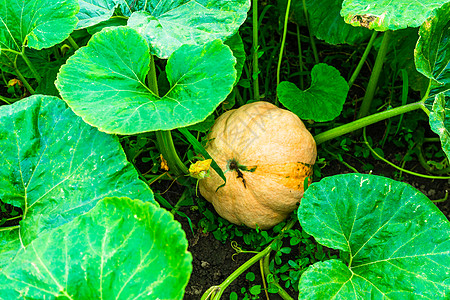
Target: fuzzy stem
x: 8, y: 100
x: 9, y: 228
x: 24, y: 81
x: 397, y: 167
x: 283, y: 294
x: 164, y: 137
x: 426, y: 166
x: 255, y: 76
x: 373, y: 81
x: 363, y: 59
x: 263, y: 276
x: 73, y: 43
x: 31, y: 66
x: 366, y: 121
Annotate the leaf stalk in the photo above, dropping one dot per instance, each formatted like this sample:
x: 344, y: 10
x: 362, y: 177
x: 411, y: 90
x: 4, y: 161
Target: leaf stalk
x: 283, y: 40
x: 164, y: 137
x: 366, y: 121
x: 363, y: 59
x: 373, y: 81
x: 31, y: 66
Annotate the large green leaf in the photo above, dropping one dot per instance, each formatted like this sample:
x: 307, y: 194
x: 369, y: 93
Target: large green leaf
x: 237, y: 47
x: 382, y: 15
x: 325, y: 21
x: 189, y: 22
x: 104, y: 83
x: 36, y: 23
x: 55, y: 167
x: 322, y: 101
x: 432, y: 55
x: 395, y: 241
x: 440, y: 121
x: 167, y: 24
x: 93, y: 12
x: 121, y: 249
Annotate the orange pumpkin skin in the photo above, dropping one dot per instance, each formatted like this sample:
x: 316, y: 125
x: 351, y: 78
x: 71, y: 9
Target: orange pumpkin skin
x: 266, y: 153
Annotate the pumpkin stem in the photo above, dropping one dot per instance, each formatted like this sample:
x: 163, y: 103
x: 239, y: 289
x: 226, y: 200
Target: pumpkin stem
x: 233, y: 165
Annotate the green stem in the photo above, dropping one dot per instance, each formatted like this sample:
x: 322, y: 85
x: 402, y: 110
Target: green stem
x: 181, y: 199
x: 265, y: 265
x: 283, y: 294
x: 215, y: 292
x: 167, y: 149
x: 152, y: 79
x: 164, y: 138
x: 283, y: 40
x: 366, y: 121
x: 311, y: 38
x: 432, y: 140
x: 300, y: 57
x: 426, y: 166
x: 73, y: 43
x: 363, y: 59
x: 342, y: 161
x: 24, y: 81
x: 441, y: 200
x: 9, y: 228
x: 263, y: 276
x: 14, y: 218
x: 256, y: 95
x: 397, y: 167
x: 31, y: 66
x: 373, y: 81
x: 8, y: 100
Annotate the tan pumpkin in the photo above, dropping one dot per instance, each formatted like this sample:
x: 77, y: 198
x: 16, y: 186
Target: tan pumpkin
x: 266, y: 153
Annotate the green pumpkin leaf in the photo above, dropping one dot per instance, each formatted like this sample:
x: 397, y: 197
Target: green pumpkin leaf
x: 322, y: 101
x: 104, y: 83
x: 121, y: 249
x: 113, y: 22
x: 170, y: 25
x: 9, y: 245
x: 382, y: 15
x: 93, y: 12
x: 203, y: 126
x: 55, y: 167
x: 167, y: 25
x: 36, y: 23
x: 432, y: 55
x: 395, y: 241
x: 237, y: 47
x: 327, y: 278
x: 325, y: 21
x: 440, y: 121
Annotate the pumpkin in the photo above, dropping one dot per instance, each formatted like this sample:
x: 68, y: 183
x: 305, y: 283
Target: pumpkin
x: 266, y: 154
